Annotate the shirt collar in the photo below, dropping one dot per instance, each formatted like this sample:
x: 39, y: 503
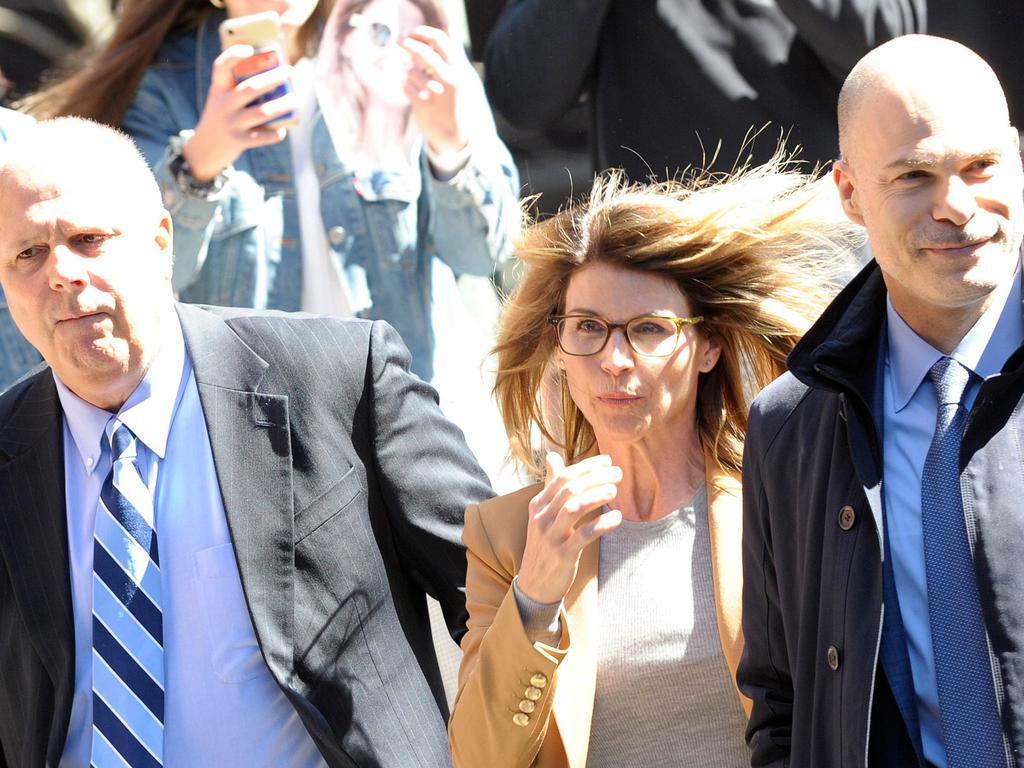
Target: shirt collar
x: 994, y: 337
x: 148, y: 410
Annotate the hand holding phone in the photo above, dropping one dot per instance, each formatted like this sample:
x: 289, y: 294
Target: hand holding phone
x: 240, y: 114
x: 261, y: 31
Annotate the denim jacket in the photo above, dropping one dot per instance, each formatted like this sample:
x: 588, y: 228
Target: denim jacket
x: 16, y: 355
x: 393, y: 236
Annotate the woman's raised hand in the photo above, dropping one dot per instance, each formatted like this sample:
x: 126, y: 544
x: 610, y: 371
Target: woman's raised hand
x: 228, y: 126
x: 555, y: 535
x: 436, y: 87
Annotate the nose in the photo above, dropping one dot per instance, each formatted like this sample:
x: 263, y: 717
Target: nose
x: 956, y: 204
x: 617, y: 355
x: 67, y: 269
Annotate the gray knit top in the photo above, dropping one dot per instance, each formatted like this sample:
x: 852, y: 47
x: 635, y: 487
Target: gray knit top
x: 664, y: 695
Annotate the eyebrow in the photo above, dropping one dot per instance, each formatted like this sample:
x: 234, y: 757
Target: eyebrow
x: 931, y: 161
x: 594, y: 313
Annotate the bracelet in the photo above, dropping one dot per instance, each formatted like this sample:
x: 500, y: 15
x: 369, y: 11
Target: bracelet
x: 178, y: 166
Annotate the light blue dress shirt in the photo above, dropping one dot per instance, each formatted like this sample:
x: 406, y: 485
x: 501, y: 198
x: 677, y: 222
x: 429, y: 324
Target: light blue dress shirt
x: 909, y: 423
x: 223, y: 707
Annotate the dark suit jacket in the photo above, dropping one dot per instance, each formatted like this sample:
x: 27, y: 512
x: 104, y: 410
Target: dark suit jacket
x: 343, y: 487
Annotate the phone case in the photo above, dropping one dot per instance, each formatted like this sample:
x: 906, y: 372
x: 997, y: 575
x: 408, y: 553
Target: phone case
x: 263, y: 32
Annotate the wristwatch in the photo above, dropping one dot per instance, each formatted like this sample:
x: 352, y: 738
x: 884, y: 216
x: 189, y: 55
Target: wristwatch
x: 178, y: 166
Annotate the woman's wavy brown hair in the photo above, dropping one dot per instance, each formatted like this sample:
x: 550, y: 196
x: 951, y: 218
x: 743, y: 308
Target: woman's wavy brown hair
x: 758, y: 253
x: 101, y: 86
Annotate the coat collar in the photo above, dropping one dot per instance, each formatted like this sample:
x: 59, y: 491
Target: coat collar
x: 839, y: 351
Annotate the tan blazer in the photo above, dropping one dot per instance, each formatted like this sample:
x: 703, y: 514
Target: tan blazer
x: 500, y: 662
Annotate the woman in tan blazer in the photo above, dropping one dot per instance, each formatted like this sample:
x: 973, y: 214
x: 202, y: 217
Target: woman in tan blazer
x: 604, y: 602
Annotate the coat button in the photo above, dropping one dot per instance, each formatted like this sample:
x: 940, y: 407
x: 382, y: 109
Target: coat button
x: 539, y: 680
x: 847, y: 517
x: 336, y: 235
x: 532, y: 693
x: 527, y: 706
x: 833, y: 658
x: 520, y: 719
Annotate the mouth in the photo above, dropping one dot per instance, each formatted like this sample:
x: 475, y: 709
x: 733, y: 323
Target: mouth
x: 954, y: 250
x: 73, y: 317
x: 619, y: 398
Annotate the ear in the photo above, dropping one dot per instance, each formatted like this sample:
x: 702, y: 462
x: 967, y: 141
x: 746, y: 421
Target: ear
x: 847, y: 186
x: 712, y: 352
x: 165, y: 242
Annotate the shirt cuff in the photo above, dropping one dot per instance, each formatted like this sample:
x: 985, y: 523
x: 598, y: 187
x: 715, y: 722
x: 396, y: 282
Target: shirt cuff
x: 446, y: 165
x: 540, y: 620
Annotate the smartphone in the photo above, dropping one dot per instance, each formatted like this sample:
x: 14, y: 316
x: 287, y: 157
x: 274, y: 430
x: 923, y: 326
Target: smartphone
x: 263, y: 32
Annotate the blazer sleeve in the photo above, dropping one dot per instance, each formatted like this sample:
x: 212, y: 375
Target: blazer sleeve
x: 763, y: 673
x: 497, y: 664
x: 427, y: 475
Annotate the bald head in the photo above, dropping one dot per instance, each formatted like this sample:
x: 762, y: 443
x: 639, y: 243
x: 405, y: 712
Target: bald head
x: 931, y: 168
x: 74, y: 151
x: 920, y: 73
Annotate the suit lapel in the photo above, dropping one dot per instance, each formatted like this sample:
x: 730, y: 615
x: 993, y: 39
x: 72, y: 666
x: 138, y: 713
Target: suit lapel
x: 249, y: 438
x: 34, y: 538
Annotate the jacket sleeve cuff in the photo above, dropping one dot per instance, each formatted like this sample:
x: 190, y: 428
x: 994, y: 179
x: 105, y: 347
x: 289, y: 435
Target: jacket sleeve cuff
x: 540, y: 620
x: 192, y: 205
x: 445, y: 166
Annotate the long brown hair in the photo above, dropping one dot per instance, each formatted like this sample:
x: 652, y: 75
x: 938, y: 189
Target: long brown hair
x: 756, y: 253
x: 103, y: 86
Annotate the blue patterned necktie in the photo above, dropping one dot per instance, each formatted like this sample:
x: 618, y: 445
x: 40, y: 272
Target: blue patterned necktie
x: 971, y: 731
x: 127, y: 623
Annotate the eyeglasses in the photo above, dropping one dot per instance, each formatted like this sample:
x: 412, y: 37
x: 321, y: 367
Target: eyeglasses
x: 380, y: 33
x: 651, y: 335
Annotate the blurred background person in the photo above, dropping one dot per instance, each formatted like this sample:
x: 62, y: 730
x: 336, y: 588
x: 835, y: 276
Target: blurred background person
x: 35, y: 35
x: 276, y: 219
x: 604, y: 603
x: 670, y: 83
x: 665, y: 81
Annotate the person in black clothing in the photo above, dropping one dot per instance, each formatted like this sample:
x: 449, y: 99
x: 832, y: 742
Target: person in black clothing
x: 673, y: 82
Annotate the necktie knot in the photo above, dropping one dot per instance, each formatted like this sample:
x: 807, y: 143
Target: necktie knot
x: 950, y: 380
x: 121, y: 439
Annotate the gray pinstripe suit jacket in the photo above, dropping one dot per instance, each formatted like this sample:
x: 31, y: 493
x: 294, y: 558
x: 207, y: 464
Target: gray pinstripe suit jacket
x: 344, y: 488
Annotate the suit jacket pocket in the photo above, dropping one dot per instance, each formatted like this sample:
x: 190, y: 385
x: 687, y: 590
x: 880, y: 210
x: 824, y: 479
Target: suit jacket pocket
x: 327, y: 504
x: 234, y: 652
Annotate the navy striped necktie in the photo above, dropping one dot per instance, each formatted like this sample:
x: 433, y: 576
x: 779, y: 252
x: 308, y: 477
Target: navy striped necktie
x: 127, y: 622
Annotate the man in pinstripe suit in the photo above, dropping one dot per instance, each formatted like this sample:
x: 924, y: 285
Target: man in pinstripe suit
x: 306, y: 494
